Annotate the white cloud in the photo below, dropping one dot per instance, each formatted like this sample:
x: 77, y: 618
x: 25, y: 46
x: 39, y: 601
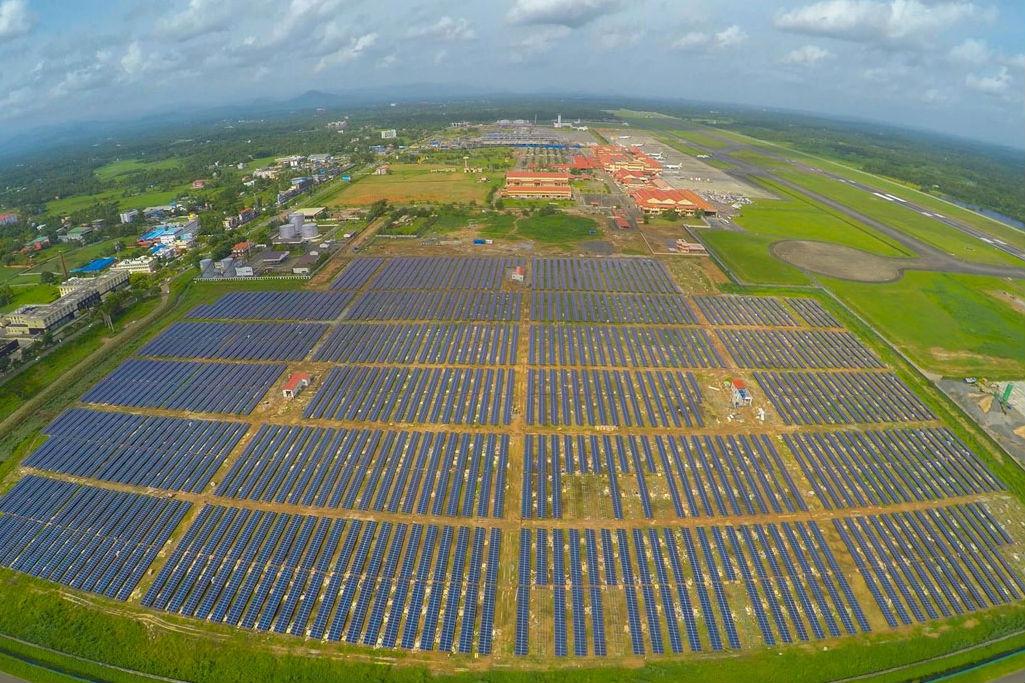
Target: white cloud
x: 734, y: 35
x: 445, y: 28
x: 695, y: 40
x: 997, y: 85
x: 1015, y: 61
x: 896, y: 23
x: 807, y: 55
x: 199, y: 18
x: 349, y: 52
x: 536, y: 43
x: 15, y: 19
x: 569, y: 13
x: 617, y: 39
x: 971, y: 51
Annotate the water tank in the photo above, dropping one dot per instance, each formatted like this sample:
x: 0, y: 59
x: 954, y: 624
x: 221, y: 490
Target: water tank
x: 309, y: 231
x: 287, y: 231
x: 227, y: 266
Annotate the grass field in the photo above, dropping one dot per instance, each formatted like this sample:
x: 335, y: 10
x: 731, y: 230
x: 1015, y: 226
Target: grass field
x: 794, y: 217
x: 907, y: 220
x: 947, y: 323
x: 78, y: 202
x: 748, y: 257
x: 415, y: 183
x: 122, y: 167
x: 30, y: 294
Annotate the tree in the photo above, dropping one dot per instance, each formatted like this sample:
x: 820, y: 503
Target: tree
x: 672, y: 215
x: 6, y: 295
x: 48, y: 277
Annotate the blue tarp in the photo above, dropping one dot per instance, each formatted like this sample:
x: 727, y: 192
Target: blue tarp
x: 95, y: 266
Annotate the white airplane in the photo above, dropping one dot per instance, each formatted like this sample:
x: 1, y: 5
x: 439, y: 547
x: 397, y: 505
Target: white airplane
x: 674, y: 167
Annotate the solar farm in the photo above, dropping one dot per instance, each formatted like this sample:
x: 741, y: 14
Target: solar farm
x: 510, y: 473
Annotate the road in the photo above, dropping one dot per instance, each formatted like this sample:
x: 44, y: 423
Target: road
x: 930, y: 258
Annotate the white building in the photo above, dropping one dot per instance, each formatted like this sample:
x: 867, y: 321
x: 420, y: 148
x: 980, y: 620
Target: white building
x: 129, y: 216
x: 389, y: 134
x: 143, y: 264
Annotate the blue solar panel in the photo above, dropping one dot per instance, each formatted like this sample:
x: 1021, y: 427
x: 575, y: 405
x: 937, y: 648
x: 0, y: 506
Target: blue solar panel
x: 88, y: 538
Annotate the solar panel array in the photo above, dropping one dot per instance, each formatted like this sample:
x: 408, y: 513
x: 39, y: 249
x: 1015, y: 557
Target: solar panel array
x: 929, y: 563
x: 602, y: 275
x: 841, y: 397
x: 357, y: 273
x: 432, y: 305
x: 84, y: 537
x: 813, y: 312
x: 275, y: 306
x: 669, y: 590
x: 426, y: 587
x: 653, y: 398
x: 599, y: 307
x: 160, y: 452
x: 884, y: 467
x: 421, y: 395
x: 745, y: 310
x: 398, y: 472
x: 186, y: 385
x: 398, y: 543
x: 448, y: 343
x: 797, y: 349
x: 236, y: 341
x: 597, y: 345
x: 672, y: 476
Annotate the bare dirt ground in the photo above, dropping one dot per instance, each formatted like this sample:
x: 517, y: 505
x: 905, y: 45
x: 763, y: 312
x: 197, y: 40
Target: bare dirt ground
x: 836, y: 260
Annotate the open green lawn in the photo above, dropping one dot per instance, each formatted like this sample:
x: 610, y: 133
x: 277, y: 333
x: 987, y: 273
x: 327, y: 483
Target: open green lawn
x: 74, y: 203
x: 907, y: 220
x: 556, y: 228
x: 748, y: 256
x: 415, y: 183
x: 794, y: 217
x: 30, y: 294
x: 122, y: 167
x: 947, y: 323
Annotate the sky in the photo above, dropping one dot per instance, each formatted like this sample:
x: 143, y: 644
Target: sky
x: 946, y: 65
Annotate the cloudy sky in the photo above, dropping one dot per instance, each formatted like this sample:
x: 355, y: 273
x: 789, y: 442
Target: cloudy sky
x: 948, y: 65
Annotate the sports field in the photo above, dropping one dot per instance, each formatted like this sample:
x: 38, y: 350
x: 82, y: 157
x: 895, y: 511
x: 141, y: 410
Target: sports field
x: 416, y: 183
x: 497, y: 475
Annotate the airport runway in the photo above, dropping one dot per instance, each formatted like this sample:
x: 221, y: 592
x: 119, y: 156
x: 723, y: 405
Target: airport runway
x: 930, y: 258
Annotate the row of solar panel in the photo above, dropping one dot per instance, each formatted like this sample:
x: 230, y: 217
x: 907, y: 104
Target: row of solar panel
x: 161, y: 452
x: 449, y: 343
x: 413, y: 586
x: 87, y: 538
x: 602, y: 275
x: 275, y: 306
x: 236, y: 341
x: 415, y: 395
x: 186, y: 385
x: 794, y: 585
x: 841, y: 397
x: 475, y: 343
x: 641, y: 398
x: 398, y: 472
x: 929, y: 563
x: 700, y: 476
x: 885, y: 467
